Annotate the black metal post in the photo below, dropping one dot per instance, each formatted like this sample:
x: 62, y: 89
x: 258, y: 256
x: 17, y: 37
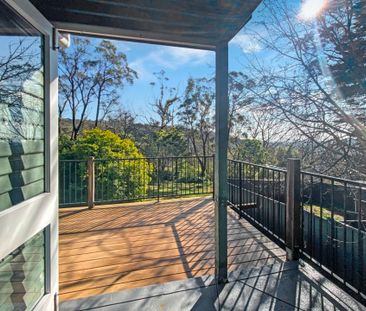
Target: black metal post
x: 221, y: 145
x: 158, y: 177
x: 213, y: 177
x: 240, y: 190
x: 91, y: 182
x: 293, y: 211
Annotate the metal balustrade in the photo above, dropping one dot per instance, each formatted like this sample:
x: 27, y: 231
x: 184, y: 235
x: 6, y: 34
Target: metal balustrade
x: 98, y: 181
x: 318, y: 217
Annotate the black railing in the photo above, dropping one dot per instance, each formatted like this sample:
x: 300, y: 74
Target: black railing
x: 73, y: 181
x: 334, y: 226
x: 119, y: 180
x: 332, y: 211
x: 259, y: 193
x: 332, y: 231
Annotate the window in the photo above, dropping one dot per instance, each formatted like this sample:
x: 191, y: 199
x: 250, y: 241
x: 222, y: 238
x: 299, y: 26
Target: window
x: 22, y: 275
x: 21, y: 110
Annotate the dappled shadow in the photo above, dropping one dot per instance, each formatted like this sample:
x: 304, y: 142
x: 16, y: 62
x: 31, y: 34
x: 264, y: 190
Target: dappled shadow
x: 117, y: 247
x: 285, y: 286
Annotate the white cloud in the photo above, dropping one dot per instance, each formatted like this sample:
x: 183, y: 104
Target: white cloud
x: 123, y: 46
x: 247, y: 43
x: 168, y: 57
x: 182, y: 56
x: 140, y: 67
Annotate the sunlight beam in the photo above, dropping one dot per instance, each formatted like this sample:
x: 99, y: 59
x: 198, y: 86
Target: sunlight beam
x: 310, y: 9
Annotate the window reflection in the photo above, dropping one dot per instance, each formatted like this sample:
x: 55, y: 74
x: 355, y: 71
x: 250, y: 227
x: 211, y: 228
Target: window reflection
x: 22, y: 275
x: 21, y: 110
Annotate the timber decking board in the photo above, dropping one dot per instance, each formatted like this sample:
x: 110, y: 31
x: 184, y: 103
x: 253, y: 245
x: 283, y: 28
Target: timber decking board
x: 117, y: 247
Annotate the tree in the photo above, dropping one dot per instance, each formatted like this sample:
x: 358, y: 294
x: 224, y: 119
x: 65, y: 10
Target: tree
x: 111, y: 73
x: 21, y: 89
x: 252, y: 150
x: 170, y: 142
x: 90, y: 76
x: 196, y: 115
x: 121, y: 122
x: 164, y: 103
x: 122, y: 179
x: 311, y: 76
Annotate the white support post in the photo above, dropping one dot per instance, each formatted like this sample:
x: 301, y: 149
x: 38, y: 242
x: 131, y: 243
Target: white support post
x: 221, y: 146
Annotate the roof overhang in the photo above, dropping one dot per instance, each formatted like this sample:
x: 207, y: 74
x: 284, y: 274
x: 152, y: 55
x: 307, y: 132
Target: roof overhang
x: 203, y: 24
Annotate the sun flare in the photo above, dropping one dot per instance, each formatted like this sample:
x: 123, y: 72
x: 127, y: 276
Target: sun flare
x: 311, y: 9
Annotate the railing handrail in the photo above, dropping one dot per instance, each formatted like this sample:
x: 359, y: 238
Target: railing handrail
x: 142, y: 158
x: 314, y: 174
x: 338, y: 179
x: 275, y: 168
x: 154, y: 177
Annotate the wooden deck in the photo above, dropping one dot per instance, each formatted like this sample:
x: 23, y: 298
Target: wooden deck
x: 117, y: 247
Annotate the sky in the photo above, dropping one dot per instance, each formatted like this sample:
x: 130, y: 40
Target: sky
x: 178, y: 63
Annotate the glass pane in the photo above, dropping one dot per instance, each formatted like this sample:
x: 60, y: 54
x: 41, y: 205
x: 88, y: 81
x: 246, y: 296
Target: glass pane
x: 22, y: 275
x: 21, y: 110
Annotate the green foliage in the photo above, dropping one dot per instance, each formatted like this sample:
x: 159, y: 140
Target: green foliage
x: 171, y: 142
x: 168, y: 142
x: 102, y: 144
x: 121, y: 179
x: 252, y: 150
x: 283, y: 153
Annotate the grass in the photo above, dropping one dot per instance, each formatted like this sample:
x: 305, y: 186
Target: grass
x: 326, y: 213
x: 189, y: 188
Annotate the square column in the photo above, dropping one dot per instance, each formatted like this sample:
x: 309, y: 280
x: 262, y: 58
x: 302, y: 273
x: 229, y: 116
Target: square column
x: 221, y: 146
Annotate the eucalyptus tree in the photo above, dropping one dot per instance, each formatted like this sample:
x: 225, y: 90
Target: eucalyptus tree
x: 196, y: 115
x: 165, y: 102
x: 90, y: 79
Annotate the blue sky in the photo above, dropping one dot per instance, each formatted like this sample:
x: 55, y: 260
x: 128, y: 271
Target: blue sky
x: 178, y: 63
x: 182, y: 63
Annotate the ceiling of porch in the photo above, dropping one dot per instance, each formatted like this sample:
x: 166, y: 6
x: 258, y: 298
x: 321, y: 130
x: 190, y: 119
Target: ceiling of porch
x: 196, y: 23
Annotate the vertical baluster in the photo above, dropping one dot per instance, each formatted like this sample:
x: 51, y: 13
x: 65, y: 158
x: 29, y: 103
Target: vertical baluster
x: 266, y: 185
x: 245, y: 174
x: 63, y: 182
x: 176, y: 176
x: 69, y: 183
x: 345, y: 274
x: 360, y: 240
x: 273, y: 201
x: 91, y: 182
x: 293, y: 215
x: 302, y: 209
x: 158, y: 177
x: 252, y: 170
x: 321, y: 223
x: 75, y: 195
x: 240, y: 187
x: 332, y: 229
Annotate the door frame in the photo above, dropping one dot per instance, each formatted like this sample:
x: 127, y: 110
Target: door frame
x: 22, y: 221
